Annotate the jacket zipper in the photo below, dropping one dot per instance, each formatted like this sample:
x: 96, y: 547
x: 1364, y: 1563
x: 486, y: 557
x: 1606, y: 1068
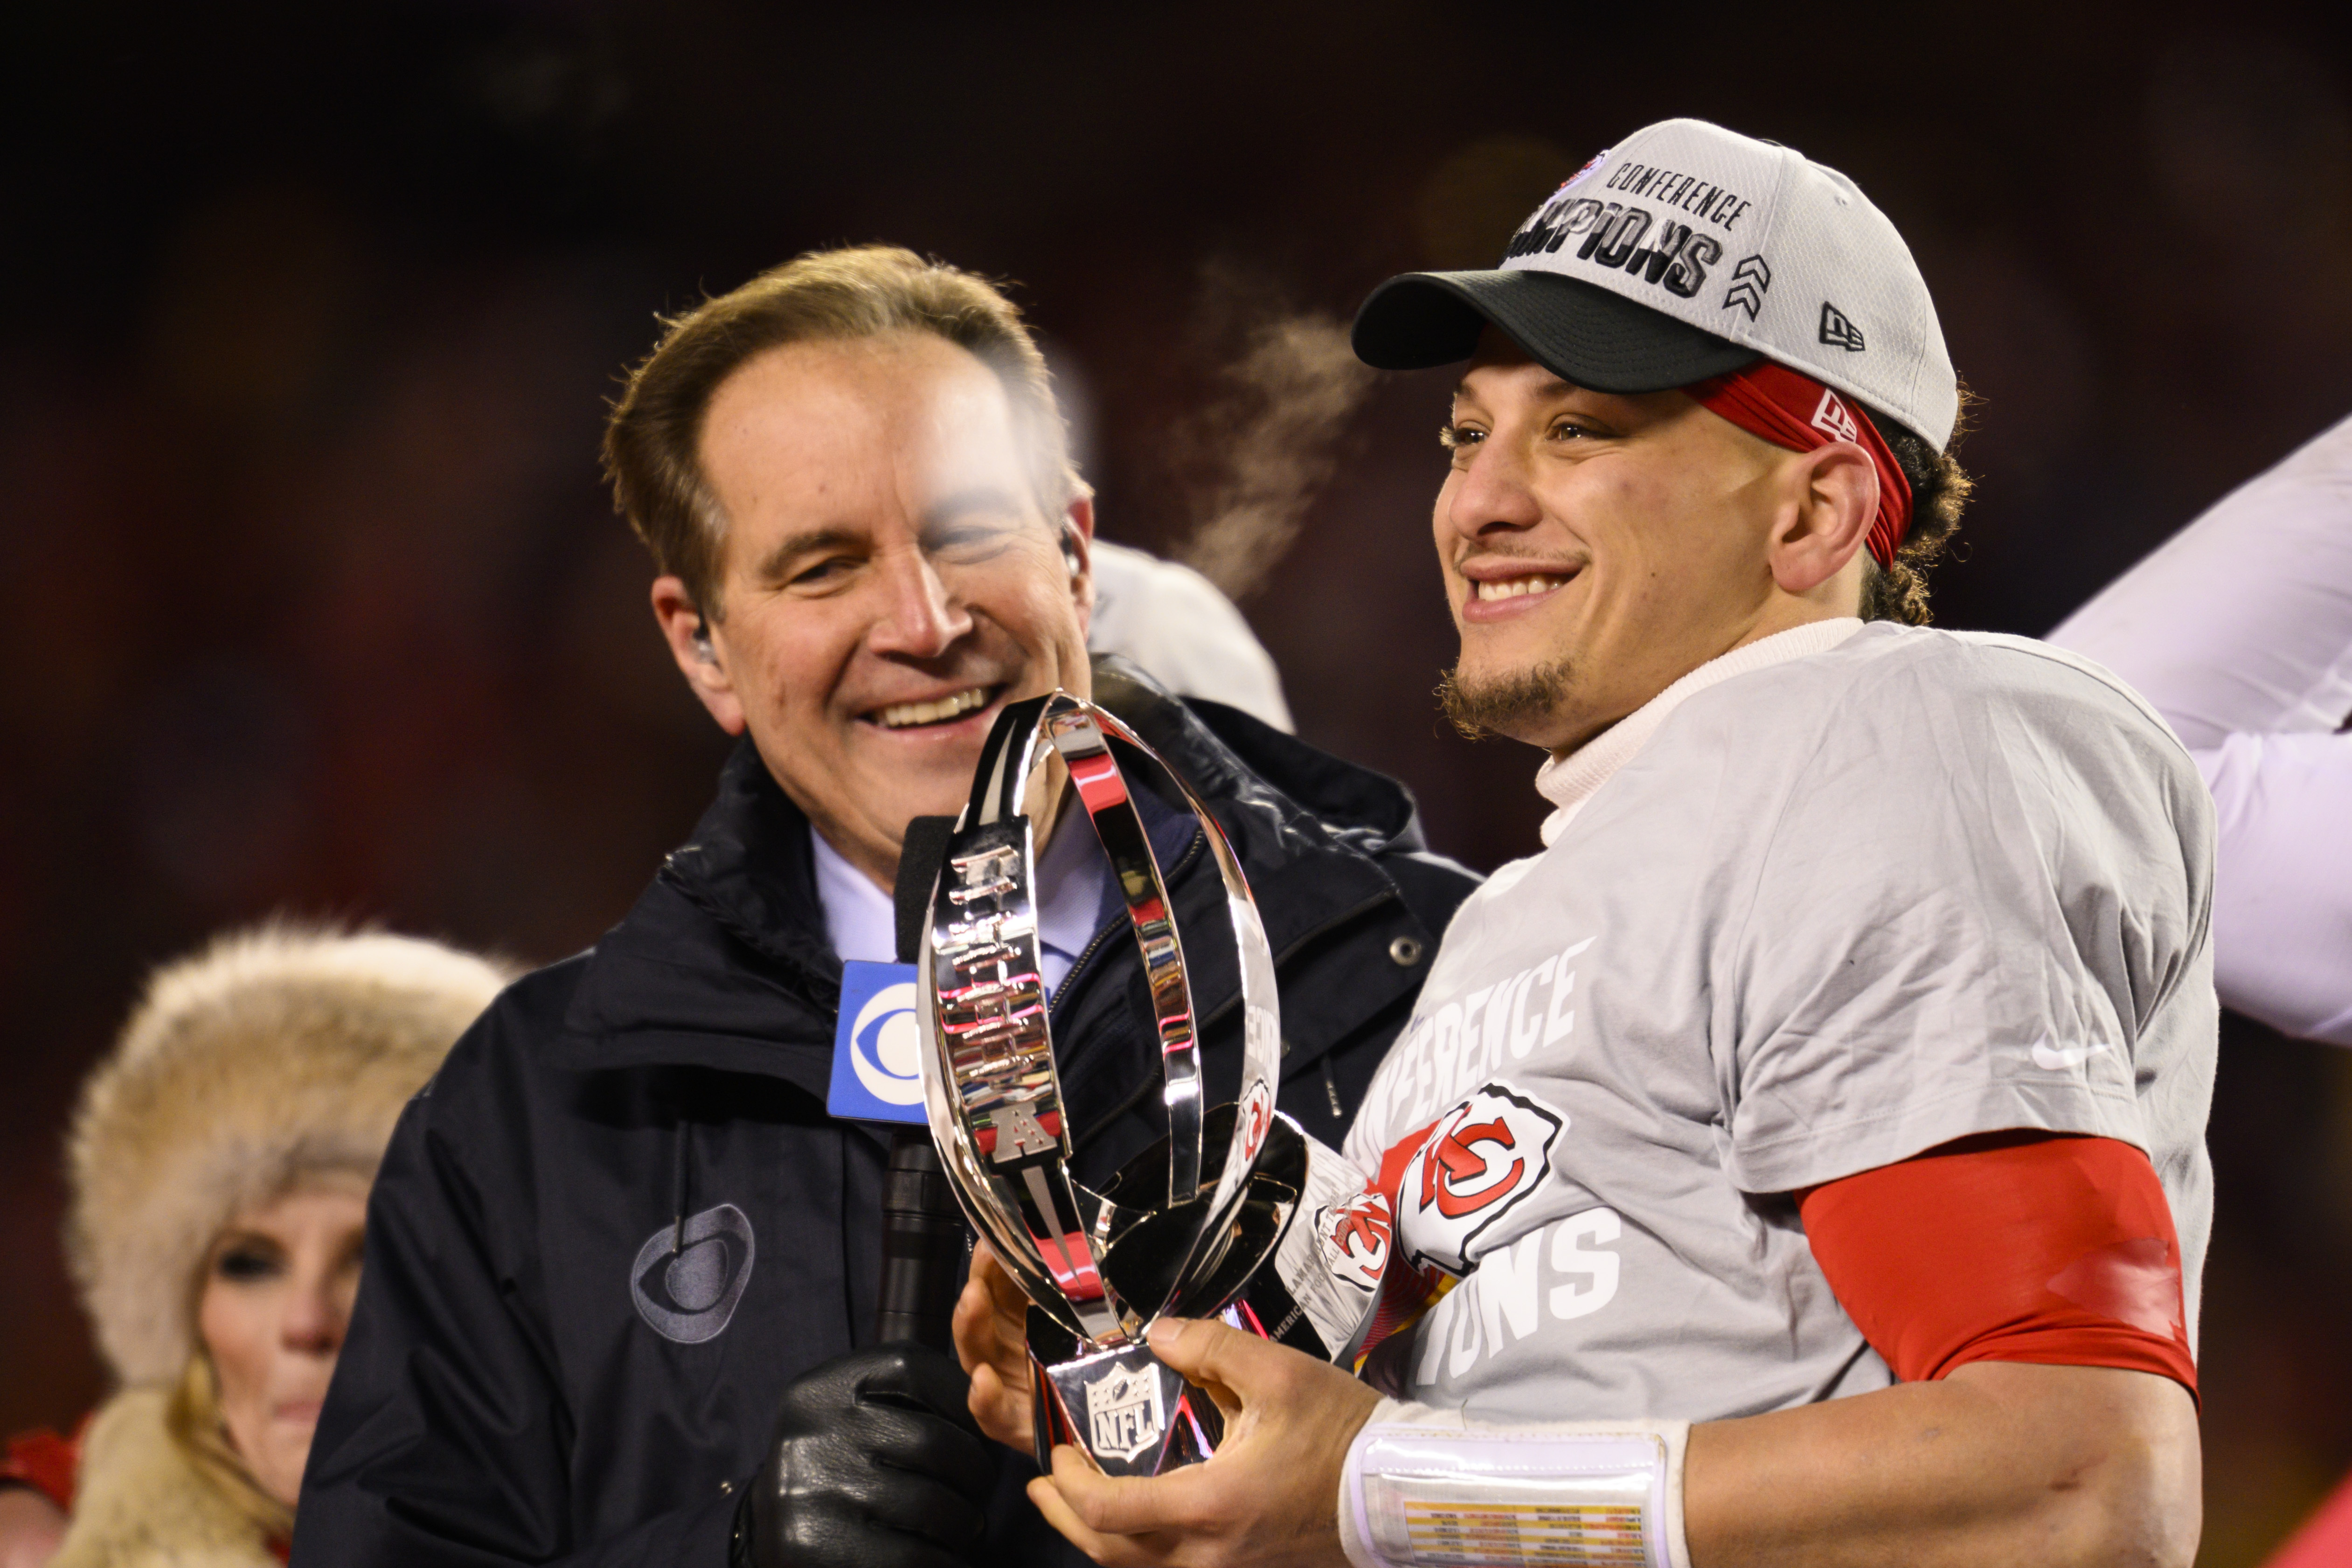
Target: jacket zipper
x: 1116, y: 925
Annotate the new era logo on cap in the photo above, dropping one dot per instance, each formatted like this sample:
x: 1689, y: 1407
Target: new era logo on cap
x: 1839, y: 332
x: 1662, y: 216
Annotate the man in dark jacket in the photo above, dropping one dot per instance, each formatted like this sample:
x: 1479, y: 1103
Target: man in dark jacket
x: 621, y: 1263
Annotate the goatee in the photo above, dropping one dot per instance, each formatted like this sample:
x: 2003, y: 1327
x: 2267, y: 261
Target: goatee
x: 1500, y: 704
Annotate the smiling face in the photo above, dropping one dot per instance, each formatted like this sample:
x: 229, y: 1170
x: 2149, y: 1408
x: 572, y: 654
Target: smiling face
x: 888, y: 580
x: 1597, y: 548
x: 277, y: 1298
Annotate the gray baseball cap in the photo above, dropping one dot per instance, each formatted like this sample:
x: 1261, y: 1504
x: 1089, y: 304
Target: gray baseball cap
x: 1689, y: 251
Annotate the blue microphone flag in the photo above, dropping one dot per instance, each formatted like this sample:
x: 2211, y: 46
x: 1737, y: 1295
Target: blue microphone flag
x: 876, y: 1043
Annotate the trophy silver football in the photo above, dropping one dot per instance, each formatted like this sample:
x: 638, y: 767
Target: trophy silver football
x: 1235, y: 1212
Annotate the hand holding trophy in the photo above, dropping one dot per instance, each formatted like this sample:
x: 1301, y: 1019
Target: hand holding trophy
x: 1232, y: 1216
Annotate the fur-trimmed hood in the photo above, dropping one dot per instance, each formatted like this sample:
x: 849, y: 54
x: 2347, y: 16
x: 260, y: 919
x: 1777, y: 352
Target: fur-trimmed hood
x: 140, y: 1502
x: 273, y: 1054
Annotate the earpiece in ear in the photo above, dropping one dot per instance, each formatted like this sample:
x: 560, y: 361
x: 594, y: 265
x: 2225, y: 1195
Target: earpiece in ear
x: 702, y: 648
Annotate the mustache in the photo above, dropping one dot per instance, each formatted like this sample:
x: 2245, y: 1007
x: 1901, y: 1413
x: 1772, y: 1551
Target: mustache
x: 1490, y: 555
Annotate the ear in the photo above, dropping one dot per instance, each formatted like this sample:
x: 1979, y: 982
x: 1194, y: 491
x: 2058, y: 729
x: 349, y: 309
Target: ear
x: 699, y: 647
x: 1078, y: 543
x: 1830, y: 502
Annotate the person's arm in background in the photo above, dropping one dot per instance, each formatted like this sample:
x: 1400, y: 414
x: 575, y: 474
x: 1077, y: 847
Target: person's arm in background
x: 2239, y: 630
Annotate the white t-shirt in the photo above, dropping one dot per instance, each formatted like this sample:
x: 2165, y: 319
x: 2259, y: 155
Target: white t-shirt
x: 1836, y: 909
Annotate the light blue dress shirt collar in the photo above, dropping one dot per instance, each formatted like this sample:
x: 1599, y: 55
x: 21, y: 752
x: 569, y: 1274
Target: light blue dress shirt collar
x: 861, y: 923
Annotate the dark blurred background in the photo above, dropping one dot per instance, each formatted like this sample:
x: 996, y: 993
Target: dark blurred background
x: 315, y: 600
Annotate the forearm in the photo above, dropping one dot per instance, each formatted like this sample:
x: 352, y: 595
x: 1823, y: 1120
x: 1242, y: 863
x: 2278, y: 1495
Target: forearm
x: 2283, y: 880
x: 1997, y: 1463
x: 2239, y: 623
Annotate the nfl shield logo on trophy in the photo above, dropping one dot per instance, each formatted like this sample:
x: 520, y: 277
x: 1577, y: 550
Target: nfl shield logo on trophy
x: 1124, y: 1416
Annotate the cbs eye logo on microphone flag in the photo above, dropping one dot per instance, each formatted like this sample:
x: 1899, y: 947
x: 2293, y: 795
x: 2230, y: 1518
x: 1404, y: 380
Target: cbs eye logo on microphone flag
x: 875, y: 1045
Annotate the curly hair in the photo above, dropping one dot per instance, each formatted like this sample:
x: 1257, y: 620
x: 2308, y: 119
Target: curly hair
x: 1940, y: 488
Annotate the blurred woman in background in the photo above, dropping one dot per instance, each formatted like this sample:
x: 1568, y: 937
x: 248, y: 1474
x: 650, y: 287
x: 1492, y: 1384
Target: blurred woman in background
x: 220, y: 1160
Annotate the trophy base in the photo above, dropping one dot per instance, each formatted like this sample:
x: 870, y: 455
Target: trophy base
x: 1124, y: 1410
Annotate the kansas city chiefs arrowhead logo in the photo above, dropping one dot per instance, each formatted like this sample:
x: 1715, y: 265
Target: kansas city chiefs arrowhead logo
x: 1479, y: 1160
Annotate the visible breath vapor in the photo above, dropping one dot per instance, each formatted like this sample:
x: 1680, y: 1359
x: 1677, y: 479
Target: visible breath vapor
x: 1270, y: 439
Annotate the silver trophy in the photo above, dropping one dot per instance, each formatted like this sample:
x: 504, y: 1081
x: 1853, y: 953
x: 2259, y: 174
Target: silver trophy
x: 1282, y: 1239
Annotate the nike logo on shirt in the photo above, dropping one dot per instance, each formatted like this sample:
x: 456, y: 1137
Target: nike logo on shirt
x: 2058, y: 1059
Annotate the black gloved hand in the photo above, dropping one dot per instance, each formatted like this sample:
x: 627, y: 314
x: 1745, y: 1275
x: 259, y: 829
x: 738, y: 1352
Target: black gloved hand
x: 877, y: 1463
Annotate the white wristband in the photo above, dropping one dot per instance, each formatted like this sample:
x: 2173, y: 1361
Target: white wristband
x: 1425, y: 1488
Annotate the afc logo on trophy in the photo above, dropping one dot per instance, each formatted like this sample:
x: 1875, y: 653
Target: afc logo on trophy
x: 1123, y: 1412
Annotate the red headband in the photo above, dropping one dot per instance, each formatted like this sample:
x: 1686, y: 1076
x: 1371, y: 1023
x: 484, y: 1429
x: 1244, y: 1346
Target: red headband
x: 1791, y: 409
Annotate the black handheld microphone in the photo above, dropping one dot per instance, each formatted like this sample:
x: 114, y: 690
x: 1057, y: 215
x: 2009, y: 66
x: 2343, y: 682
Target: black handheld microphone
x: 923, y: 1245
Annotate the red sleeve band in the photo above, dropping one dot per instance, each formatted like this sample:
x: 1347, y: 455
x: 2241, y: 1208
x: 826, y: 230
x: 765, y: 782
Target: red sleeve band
x: 2011, y: 1246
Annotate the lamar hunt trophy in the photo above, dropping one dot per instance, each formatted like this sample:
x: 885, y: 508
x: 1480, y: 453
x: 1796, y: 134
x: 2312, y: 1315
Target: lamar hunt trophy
x: 1161, y: 1237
